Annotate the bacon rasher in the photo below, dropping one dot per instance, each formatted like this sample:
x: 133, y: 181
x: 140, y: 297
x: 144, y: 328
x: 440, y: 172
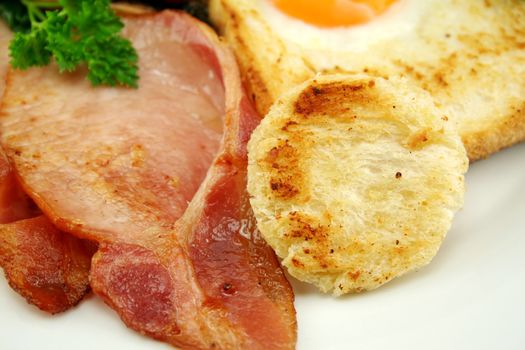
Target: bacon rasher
x: 157, y: 176
x: 49, y: 268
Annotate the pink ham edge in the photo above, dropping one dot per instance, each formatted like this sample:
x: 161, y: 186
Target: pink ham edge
x: 174, y: 257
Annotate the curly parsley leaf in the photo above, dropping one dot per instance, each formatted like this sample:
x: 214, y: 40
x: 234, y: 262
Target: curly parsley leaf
x: 111, y: 69
x: 31, y: 50
x: 74, y: 33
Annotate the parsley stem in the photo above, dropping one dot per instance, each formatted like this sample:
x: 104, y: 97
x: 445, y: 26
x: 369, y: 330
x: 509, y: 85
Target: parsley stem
x: 33, y: 9
x: 39, y: 14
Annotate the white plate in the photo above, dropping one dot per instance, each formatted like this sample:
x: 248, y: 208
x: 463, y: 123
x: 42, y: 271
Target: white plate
x: 472, y: 296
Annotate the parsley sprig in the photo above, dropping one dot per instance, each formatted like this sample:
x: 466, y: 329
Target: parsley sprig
x: 75, y: 33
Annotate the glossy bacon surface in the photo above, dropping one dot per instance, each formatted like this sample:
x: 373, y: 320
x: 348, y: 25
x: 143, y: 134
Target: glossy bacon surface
x: 157, y: 177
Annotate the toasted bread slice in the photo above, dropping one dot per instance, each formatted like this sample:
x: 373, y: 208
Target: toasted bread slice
x: 354, y: 180
x: 469, y: 54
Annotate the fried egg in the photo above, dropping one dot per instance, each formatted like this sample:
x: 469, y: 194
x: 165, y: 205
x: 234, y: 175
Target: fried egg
x: 342, y: 25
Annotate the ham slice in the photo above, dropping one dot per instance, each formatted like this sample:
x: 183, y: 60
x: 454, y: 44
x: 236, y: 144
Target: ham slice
x: 46, y: 266
x: 152, y: 176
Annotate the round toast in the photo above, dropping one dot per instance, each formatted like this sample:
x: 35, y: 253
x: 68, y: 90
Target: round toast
x: 354, y: 180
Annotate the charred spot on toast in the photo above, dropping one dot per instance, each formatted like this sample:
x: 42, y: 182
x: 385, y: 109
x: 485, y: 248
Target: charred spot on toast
x: 333, y: 97
x: 287, y: 180
x: 315, y: 236
x: 304, y: 227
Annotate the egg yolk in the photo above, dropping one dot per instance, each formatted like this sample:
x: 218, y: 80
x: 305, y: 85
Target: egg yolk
x: 333, y: 13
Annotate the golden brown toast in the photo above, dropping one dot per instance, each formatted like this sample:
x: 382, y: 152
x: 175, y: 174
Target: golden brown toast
x: 354, y: 180
x: 469, y: 54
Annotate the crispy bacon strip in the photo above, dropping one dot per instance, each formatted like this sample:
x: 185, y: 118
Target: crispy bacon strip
x: 47, y: 267
x: 149, y: 174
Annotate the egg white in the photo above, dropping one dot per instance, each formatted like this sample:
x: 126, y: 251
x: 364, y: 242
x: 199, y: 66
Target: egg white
x: 401, y: 18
